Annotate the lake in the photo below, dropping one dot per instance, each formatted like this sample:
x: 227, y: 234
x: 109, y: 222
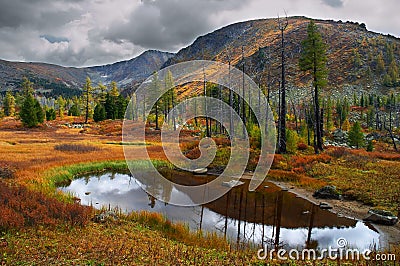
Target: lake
x: 266, y: 216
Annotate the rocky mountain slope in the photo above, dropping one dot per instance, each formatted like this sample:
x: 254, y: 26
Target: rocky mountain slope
x: 68, y: 80
x: 353, y: 52
x: 358, y: 59
x: 131, y: 71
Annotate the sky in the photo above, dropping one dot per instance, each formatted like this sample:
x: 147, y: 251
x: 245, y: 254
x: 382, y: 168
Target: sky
x: 95, y: 32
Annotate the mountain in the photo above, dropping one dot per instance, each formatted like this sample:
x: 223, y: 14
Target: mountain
x: 54, y: 80
x: 352, y: 51
x: 131, y: 71
x: 358, y: 60
x: 46, y: 77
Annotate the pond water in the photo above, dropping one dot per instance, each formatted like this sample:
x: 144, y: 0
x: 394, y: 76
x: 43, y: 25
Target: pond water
x: 266, y: 216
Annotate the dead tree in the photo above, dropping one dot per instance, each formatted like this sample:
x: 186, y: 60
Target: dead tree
x: 282, y: 25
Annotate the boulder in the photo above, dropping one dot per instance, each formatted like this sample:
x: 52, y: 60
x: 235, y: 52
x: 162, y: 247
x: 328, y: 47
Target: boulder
x: 340, y: 136
x: 200, y: 171
x: 325, y: 206
x: 327, y: 192
x: 232, y: 183
x: 372, y: 136
x: 381, y: 217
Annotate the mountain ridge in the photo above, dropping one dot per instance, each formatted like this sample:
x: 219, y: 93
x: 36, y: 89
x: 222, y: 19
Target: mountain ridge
x: 352, y: 57
x: 347, y: 42
x: 46, y: 76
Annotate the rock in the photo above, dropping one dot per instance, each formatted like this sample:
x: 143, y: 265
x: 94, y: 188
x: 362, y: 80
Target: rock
x: 105, y: 217
x: 327, y: 192
x: 325, y: 206
x: 381, y: 217
x: 87, y: 193
x: 200, y: 171
x: 232, y: 183
x: 372, y: 136
x: 340, y: 136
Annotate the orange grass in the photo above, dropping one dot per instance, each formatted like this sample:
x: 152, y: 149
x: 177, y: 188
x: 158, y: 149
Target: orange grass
x: 30, y: 153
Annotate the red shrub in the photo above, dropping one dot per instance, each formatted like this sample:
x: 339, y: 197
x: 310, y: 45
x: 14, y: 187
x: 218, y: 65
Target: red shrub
x: 338, y: 152
x: 20, y: 206
x: 301, y: 161
x: 278, y: 158
x: 385, y: 156
x: 9, y: 218
x: 193, y: 154
x: 302, y: 146
x: 222, y: 141
x: 281, y: 175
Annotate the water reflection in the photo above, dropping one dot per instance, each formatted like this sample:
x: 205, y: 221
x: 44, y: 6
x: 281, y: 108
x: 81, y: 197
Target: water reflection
x: 267, y: 216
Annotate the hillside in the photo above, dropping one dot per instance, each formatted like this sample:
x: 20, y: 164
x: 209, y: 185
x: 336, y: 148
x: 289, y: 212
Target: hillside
x: 55, y: 80
x: 352, y: 52
x: 131, y: 71
x: 353, y: 59
x: 46, y: 77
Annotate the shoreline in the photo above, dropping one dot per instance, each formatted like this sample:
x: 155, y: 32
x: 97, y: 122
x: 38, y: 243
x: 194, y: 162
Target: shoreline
x: 388, y: 235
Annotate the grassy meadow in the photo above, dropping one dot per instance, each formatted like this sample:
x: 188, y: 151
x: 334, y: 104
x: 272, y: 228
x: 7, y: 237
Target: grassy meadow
x: 41, y: 226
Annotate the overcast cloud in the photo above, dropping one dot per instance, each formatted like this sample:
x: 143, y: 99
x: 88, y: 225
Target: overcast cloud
x: 93, y: 32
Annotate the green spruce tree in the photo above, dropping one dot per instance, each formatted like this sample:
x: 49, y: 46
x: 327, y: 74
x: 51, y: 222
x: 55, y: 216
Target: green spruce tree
x: 31, y: 113
x: 99, y: 113
x: 313, y: 61
x: 356, y: 137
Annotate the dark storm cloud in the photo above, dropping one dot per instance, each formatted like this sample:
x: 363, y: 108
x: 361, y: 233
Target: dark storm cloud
x: 93, y: 32
x: 169, y: 24
x: 333, y: 3
x: 17, y: 13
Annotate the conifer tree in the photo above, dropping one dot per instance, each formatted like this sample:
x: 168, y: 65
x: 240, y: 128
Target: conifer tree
x: 87, y: 93
x: 155, y: 90
x: 313, y: 61
x: 356, y: 137
x: 170, y: 95
x: 102, y: 93
x: 9, y: 104
x: 99, y: 113
x: 74, y: 110
x: 31, y: 113
x: 380, y: 64
x: 61, y: 106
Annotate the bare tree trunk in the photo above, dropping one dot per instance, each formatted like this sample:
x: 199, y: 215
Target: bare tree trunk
x: 282, y: 113
x: 389, y: 129
x: 173, y: 109
x: 195, y: 114
x: 310, y: 227
x: 279, y: 205
x: 157, y: 128
x: 231, y: 128
x: 243, y: 96
x: 208, y: 133
x: 295, y: 115
x: 318, y: 145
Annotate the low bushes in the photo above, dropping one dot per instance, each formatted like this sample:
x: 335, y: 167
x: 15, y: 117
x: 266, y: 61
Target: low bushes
x: 22, y: 207
x: 79, y: 148
x: 301, y: 161
x: 6, y: 171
